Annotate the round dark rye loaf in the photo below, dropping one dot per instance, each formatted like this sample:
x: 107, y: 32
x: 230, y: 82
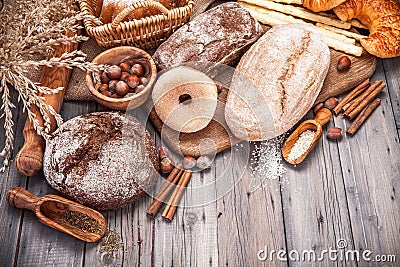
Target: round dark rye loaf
x: 276, y: 82
x: 104, y: 160
x: 219, y: 35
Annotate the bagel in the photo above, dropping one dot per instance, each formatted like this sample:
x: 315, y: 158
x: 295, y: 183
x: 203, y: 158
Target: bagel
x: 185, y: 99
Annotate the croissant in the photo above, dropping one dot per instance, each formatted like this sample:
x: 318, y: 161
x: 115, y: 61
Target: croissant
x: 321, y: 5
x: 382, y: 17
x: 383, y: 21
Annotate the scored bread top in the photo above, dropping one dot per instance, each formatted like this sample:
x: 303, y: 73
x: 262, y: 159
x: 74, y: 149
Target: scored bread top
x: 276, y: 82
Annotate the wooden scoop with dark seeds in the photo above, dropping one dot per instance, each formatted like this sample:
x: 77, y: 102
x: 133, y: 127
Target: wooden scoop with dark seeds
x: 62, y: 214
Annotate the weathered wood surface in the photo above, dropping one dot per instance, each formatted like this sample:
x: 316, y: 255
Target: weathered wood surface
x: 343, y: 190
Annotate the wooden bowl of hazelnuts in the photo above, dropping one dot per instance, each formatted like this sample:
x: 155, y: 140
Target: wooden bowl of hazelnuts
x: 127, y: 82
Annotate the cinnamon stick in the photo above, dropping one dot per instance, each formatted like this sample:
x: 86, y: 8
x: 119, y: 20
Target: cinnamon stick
x: 366, y: 101
x: 173, y: 202
x: 360, y: 98
x: 352, y: 95
x: 365, y: 113
x: 169, y: 183
x: 348, y: 105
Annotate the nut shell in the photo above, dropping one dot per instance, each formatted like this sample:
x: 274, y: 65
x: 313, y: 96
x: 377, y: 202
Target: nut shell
x: 104, y: 78
x: 331, y: 103
x: 189, y: 162
x: 137, y: 69
x: 112, y: 85
x: 203, y: 162
x: 132, y: 81
x: 166, y: 165
x: 124, y: 67
x: 318, y: 107
x: 121, y: 88
x: 163, y: 152
x: 124, y: 76
x: 114, y: 72
x: 344, y: 63
x: 334, y: 133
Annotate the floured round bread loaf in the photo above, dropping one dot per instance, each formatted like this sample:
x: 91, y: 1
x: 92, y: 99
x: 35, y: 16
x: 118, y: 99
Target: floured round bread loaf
x: 276, y: 82
x: 103, y: 160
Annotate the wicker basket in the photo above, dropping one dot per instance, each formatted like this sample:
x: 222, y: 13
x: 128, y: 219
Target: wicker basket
x: 146, y: 33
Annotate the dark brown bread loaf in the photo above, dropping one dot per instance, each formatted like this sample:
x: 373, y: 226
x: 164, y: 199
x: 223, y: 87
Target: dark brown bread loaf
x: 104, y: 160
x: 219, y: 35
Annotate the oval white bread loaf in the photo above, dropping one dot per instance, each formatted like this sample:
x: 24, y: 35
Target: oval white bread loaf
x: 276, y: 82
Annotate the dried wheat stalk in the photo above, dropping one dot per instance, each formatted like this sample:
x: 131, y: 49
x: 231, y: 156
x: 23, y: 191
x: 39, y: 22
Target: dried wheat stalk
x: 31, y: 28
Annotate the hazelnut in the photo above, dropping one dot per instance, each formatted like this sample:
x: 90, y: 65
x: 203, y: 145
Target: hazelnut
x: 124, y: 76
x: 143, y: 80
x: 331, y: 103
x: 121, y: 88
x: 188, y: 162
x: 166, y: 165
x: 124, y: 67
x: 115, y: 95
x: 219, y: 86
x: 203, y: 162
x: 318, y: 107
x: 139, y: 88
x: 104, y: 78
x: 163, y: 152
x: 106, y: 93
x: 132, y: 81
x: 114, y: 72
x: 137, y: 69
x: 112, y: 84
x: 343, y: 63
x: 334, y: 133
x: 103, y: 87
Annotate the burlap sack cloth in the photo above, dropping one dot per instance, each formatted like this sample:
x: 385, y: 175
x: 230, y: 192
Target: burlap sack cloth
x: 77, y: 89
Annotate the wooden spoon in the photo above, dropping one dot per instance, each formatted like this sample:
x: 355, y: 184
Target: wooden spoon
x: 51, y: 210
x: 321, y: 118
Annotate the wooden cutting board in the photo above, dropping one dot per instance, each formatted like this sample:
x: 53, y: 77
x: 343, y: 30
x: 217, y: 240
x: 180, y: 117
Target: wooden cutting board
x: 216, y: 137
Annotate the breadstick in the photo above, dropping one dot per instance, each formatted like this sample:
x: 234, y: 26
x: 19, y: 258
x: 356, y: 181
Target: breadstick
x: 356, y: 36
x: 299, y: 12
x: 273, y: 18
x: 286, y: 19
x: 296, y: 2
x: 356, y: 23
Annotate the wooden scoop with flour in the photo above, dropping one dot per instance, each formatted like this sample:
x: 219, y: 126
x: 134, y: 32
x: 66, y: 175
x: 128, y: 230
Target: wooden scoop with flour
x: 321, y: 118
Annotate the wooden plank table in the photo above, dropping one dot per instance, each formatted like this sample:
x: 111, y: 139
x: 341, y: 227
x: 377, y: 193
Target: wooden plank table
x: 346, y: 190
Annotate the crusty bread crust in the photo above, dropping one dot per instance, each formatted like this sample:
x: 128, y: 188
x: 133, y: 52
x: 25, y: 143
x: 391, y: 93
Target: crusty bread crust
x: 276, y: 82
x: 104, y: 160
x: 219, y: 35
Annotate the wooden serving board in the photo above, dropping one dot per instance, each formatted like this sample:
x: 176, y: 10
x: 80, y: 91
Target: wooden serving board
x: 216, y: 137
